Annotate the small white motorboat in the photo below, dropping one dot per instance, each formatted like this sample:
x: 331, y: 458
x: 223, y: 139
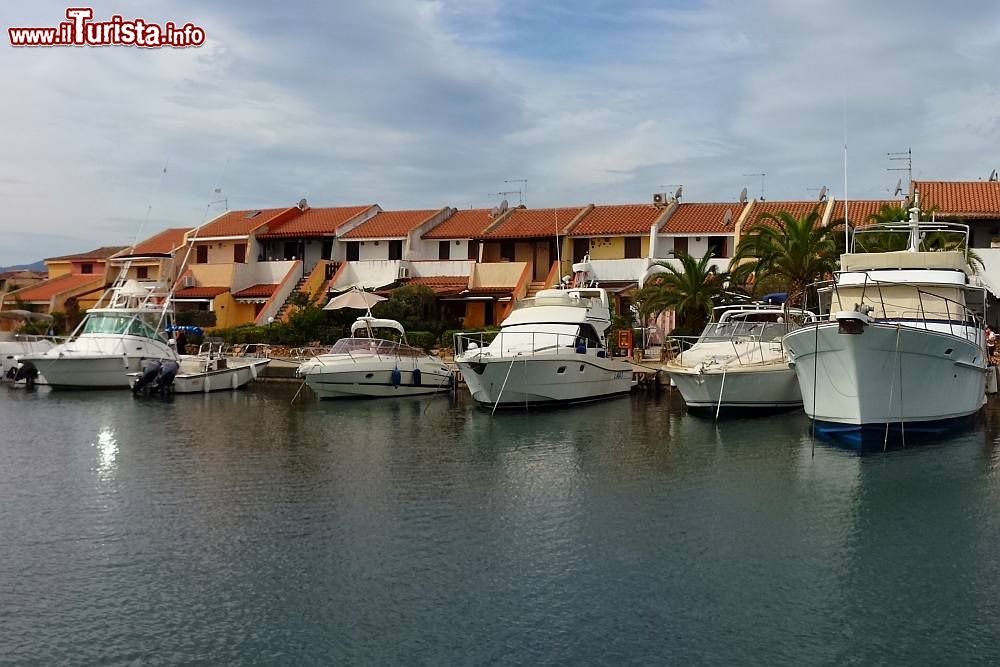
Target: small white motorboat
x: 209, y: 370
x: 369, y: 366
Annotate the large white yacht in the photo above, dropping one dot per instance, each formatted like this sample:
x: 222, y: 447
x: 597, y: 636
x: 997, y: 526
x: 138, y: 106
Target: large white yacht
x: 369, y: 366
x: 125, y: 327
x: 551, y: 349
x: 739, y: 362
x: 903, y: 345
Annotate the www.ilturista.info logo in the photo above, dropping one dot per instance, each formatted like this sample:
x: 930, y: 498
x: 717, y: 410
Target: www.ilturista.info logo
x: 80, y: 30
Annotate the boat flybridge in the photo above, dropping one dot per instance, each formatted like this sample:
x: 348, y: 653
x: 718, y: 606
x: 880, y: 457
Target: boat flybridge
x: 551, y: 349
x: 900, y: 344
x: 738, y: 362
x: 124, y: 327
x: 375, y: 362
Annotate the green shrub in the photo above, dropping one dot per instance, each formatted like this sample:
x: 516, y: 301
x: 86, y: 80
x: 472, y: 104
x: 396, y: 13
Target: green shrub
x: 422, y: 339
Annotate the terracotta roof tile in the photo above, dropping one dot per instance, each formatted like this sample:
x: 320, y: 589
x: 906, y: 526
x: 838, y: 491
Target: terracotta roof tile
x: 858, y: 211
x: 796, y: 209
x: 166, y: 241
x: 522, y: 223
x: 258, y: 291
x: 103, y: 252
x: 200, y: 292
x: 238, y: 223
x: 466, y: 224
x: 390, y: 224
x: 442, y: 285
x: 45, y: 290
x: 697, y: 218
x: 618, y: 219
x: 964, y: 199
x: 315, y: 222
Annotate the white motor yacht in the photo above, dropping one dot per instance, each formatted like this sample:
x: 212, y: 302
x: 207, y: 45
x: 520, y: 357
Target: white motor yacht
x: 125, y: 327
x: 550, y: 350
x: 369, y: 366
x: 902, y: 344
x: 739, y: 362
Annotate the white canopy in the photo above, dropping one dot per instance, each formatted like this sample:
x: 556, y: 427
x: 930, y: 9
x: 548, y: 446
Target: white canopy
x: 354, y: 298
x: 22, y: 315
x: 369, y: 323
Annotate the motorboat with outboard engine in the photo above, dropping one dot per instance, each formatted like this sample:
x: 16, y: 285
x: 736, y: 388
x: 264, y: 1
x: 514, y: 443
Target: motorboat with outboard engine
x: 209, y: 370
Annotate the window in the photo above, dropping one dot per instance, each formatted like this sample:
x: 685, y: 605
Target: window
x: 717, y: 245
x: 474, y: 250
x: 395, y: 250
x: 580, y: 248
x: 507, y: 251
x: 444, y: 250
x: 291, y: 249
x: 633, y: 247
x: 327, y: 251
x: 680, y: 244
x: 201, y: 254
x: 142, y: 272
x: 240, y: 253
x: 353, y: 251
x: 86, y: 268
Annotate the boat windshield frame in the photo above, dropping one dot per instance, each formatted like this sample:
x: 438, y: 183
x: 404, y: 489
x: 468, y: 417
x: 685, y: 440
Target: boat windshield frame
x: 356, y: 346
x: 121, y: 323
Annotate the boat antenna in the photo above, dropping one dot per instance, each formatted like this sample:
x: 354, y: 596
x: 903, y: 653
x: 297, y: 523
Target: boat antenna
x: 914, y: 223
x: 558, y: 257
x: 847, y: 224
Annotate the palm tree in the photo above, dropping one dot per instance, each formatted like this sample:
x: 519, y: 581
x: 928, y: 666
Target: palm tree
x: 793, y: 251
x: 893, y: 241
x: 690, y: 291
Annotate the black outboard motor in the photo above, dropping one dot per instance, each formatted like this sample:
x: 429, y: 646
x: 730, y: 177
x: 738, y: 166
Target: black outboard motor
x: 148, y: 369
x: 165, y: 380
x: 26, y: 371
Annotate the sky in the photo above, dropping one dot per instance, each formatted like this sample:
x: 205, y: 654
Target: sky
x: 424, y: 104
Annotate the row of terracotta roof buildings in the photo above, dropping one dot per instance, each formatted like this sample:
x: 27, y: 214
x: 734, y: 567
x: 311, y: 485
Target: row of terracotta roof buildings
x: 245, y: 265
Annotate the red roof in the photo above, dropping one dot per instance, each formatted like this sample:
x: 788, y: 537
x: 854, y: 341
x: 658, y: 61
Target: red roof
x: 859, y: 211
x: 442, y: 285
x: 166, y: 241
x: 522, y: 223
x: 46, y: 289
x: 103, y: 252
x: 390, y: 224
x: 238, y: 223
x: 703, y: 219
x: 965, y: 199
x: 797, y: 209
x: 315, y: 222
x: 258, y: 291
x: 466, y: 224
x: 200, y: 292
x: 618, y: 220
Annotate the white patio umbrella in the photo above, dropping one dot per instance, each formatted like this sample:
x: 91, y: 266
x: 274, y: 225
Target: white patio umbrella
x: 354, y: 298
x: 22, y: 315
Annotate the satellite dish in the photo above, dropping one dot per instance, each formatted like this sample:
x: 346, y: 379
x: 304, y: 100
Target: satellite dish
x: 899, y: 187
x: 303, y: 204
x: 677, y: 195
x: 822, y: 193
x: 743, y: 196
x: 727, y: 219
x: 503, y: 207
x: 494, y: 212
x: 993, y: 175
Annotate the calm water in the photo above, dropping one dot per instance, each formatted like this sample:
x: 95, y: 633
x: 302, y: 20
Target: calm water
x: 235, y: 528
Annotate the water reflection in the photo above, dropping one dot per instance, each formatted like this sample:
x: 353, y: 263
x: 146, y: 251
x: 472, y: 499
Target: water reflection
x: 107, y: 451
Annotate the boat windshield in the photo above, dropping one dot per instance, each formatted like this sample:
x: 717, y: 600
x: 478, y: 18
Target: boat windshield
x: 373, y: 346
x: 119, y: 325
x: 723, y: 331
x: 519, y: 337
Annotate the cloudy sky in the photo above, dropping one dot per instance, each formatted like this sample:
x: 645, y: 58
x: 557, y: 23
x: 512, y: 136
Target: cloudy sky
x: 426, y: 104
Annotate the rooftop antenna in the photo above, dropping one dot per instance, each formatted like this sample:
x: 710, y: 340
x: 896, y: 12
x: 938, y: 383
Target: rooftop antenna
x: 505, y: 193
x: 762, y: 175
x: 520, y: 201
x: 906, y: 157
x: 666, y: 186
x: 821, y: 190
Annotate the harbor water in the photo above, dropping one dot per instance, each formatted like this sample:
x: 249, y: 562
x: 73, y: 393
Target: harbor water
x: 240, y: 528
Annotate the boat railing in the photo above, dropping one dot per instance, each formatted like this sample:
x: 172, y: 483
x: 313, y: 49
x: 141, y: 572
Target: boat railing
x: 527, y: 343
x: 931, y: 307
x: 365, y: 348
x: 751, y: 342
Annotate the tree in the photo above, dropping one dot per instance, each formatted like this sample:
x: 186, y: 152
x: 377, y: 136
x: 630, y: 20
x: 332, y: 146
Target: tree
x: 413, y: 306
x: 691, y: 291
x: 889, y: 241
x: 793, y: 251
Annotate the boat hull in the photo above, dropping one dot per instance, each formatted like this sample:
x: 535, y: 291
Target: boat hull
x: 346, y: 378
x: 772, y: 387
x: 541, y: 380
x: 79, y: 372
x: 887, y: 374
